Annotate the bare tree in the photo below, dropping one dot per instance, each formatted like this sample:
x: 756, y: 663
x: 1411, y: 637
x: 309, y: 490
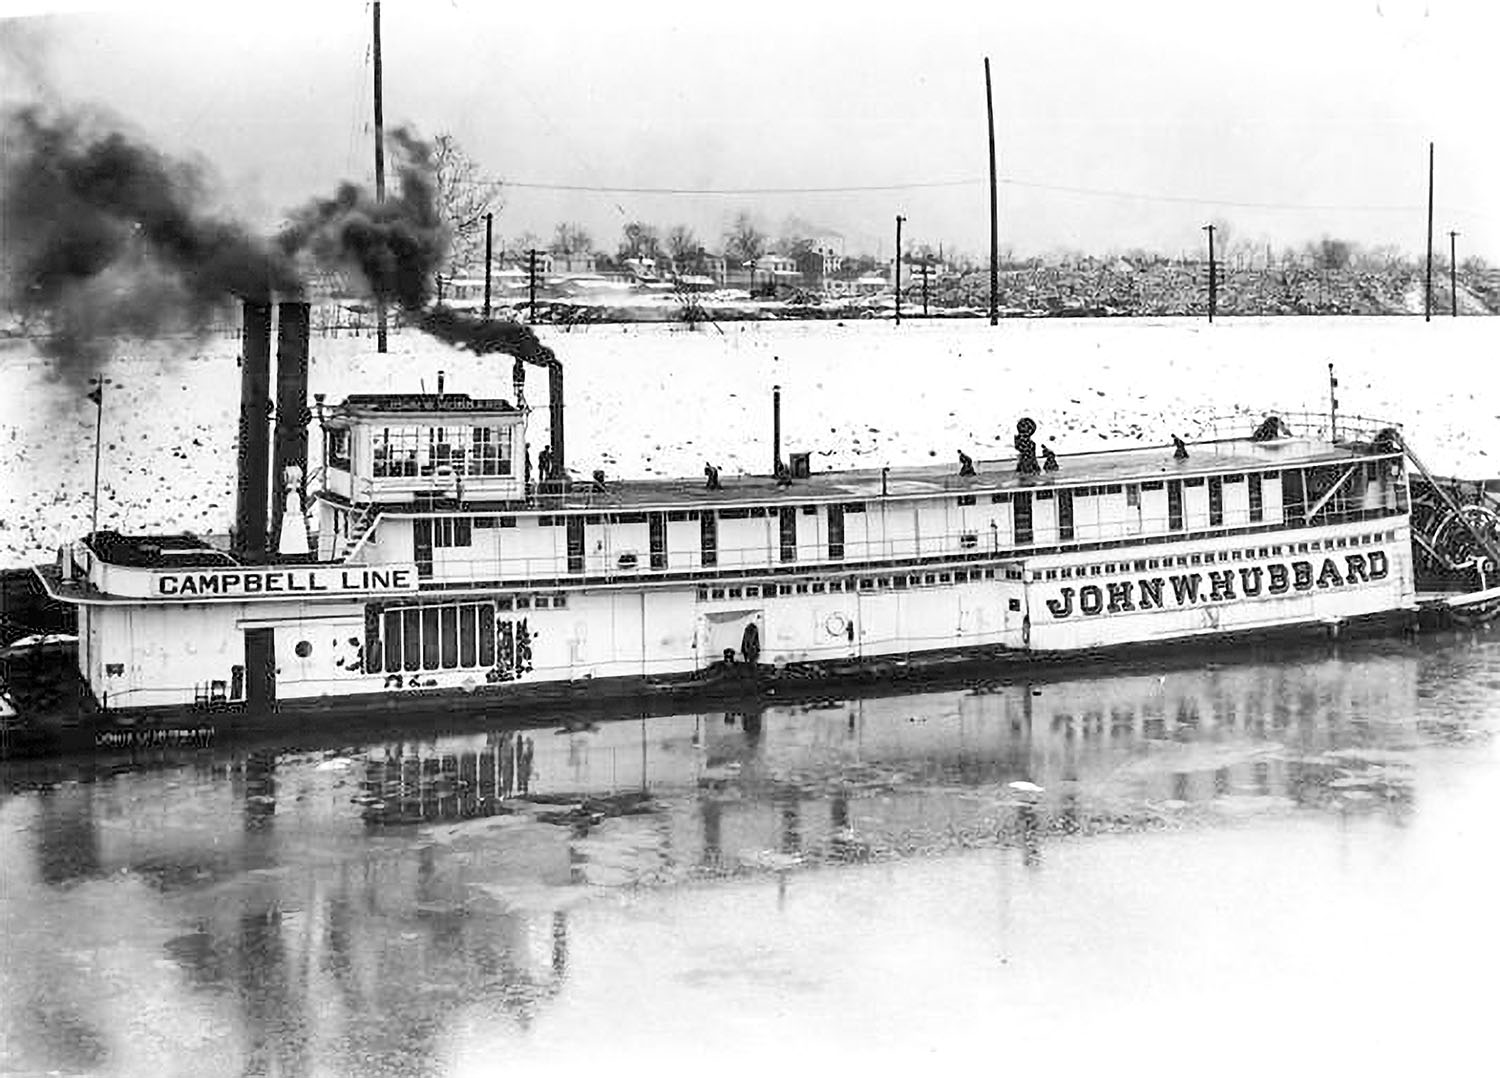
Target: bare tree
x: 465, y: 194
x: 640, y: 241
x: 744, y: 242
x: 682, y: 245
x: 570, y: 238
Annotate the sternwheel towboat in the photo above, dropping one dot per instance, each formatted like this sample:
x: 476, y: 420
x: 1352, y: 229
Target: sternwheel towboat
x: 443, y: 568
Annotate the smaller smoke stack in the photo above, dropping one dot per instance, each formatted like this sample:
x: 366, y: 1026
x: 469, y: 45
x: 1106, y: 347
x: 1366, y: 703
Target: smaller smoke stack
x: 293, y: 333
x: 441, y: 375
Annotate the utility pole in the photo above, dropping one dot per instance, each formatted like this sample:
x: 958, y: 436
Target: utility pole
x: 380, y: 328
x: 1428, y: 305
x: 489, y: 254
x: 531, y: 285
x: 1213, y: 274
x: 1333, y: 405
x: 989, y: 108
x: 1453, y: 270
x: 899, y: 220
x: 97, y: 396
x: 924, y: 288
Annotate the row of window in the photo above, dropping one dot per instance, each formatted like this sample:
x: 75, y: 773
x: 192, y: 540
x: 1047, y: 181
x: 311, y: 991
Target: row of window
x: 1313, y: 546
x: 896, y: 581
x: 451, y: 637
x: 424, y: 451
x: 454, y: 636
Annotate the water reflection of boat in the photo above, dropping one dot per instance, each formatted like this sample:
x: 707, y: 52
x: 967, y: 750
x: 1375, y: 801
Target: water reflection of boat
x: 282, y: 876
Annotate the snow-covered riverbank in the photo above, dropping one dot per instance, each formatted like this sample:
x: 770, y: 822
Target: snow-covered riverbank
x: 647, y: 400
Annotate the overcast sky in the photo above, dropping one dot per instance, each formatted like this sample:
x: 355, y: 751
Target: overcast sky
x: 1287, y: 121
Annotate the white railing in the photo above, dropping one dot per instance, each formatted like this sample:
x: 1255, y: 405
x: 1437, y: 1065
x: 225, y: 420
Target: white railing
x: 1312, y: 425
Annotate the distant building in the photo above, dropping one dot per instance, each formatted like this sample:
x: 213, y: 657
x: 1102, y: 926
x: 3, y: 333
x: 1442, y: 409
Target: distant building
x: 569, y: 264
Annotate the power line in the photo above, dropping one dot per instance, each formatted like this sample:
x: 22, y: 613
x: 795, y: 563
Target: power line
x: 734, y: 190
x: 1093, y: 192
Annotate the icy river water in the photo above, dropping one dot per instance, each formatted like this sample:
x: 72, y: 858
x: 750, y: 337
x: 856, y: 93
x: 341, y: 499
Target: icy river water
x: 1278, y: 863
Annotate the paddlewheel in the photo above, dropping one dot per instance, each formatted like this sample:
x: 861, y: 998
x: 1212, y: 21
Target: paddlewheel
x: 1453, y: 529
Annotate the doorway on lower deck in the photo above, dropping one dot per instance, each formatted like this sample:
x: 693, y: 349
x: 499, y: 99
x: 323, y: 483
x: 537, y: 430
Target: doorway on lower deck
x: 260, y: 669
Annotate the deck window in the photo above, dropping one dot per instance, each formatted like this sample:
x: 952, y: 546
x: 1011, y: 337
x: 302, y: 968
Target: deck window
x: 836, y: 532
x: 336, y: 447
x: 708, y: 538
x: 1021, y: 510
x: 453, y: 532
x: 1257, y: 504
x: 1215, y: 501
x: 1065, y: 514
x: 1174, y: 504
x: 657, y: 525
x: 788, y: 516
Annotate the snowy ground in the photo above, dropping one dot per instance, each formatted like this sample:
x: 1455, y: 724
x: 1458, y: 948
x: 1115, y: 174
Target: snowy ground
x: 658, y: 399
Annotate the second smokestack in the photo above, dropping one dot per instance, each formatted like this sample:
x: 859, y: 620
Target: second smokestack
x: 293, y: 334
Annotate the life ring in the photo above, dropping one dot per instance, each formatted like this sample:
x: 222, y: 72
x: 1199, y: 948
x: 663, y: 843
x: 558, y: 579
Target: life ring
x: 835, y: 624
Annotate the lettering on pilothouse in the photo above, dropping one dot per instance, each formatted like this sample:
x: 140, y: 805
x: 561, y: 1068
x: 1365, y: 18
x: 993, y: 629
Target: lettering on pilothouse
x: 1219, y: 585
x: 292, y: 580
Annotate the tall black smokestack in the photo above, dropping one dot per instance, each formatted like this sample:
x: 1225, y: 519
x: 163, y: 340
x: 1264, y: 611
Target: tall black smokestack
x: 293, y: 330
x: 254, y: 450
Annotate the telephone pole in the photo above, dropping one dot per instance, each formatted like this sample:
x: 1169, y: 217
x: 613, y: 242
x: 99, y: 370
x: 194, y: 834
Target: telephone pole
x: 531, y: 285
x: 1453, y: 270
x: 1428, y: 305
x: 380, y: 327
x: 489, y: 255
x: 899, y: 220
x: 989, y: 108
x: 924, y: 287
x: 1213, y: 274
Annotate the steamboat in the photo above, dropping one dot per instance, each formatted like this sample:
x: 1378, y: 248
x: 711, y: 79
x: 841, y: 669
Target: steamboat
x: 441, y: 570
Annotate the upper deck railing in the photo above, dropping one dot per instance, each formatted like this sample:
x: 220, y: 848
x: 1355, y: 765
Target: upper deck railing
x: 1319, y: 426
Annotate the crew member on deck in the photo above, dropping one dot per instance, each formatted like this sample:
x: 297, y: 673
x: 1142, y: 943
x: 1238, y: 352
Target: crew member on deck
x: 712, y: 475
x: 1049, y: 459
x: 518, y: 376
x: 965, y: 463
x: 1179, y: 448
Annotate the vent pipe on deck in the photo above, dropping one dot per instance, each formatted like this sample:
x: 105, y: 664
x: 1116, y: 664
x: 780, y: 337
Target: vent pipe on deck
x: 254, y: 441
x: 293, y: 332
x: 775, y: 430
x: 555, y: 405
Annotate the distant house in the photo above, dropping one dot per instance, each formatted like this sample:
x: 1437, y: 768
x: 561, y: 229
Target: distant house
x: 520, y: 260
x: 570, y: 263
x: 715, y: 266
x: 778, y: 267
x: 642, y: 269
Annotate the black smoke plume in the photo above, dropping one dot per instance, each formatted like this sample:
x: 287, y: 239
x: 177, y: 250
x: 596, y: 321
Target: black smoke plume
x: 397, y: 245
x: 485, y: 336
x: 106, y: 236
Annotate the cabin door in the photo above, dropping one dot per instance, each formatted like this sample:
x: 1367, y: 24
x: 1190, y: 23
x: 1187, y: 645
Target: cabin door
x: 421, y: 542
x: 575, y: 544
x: 260, y: 669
